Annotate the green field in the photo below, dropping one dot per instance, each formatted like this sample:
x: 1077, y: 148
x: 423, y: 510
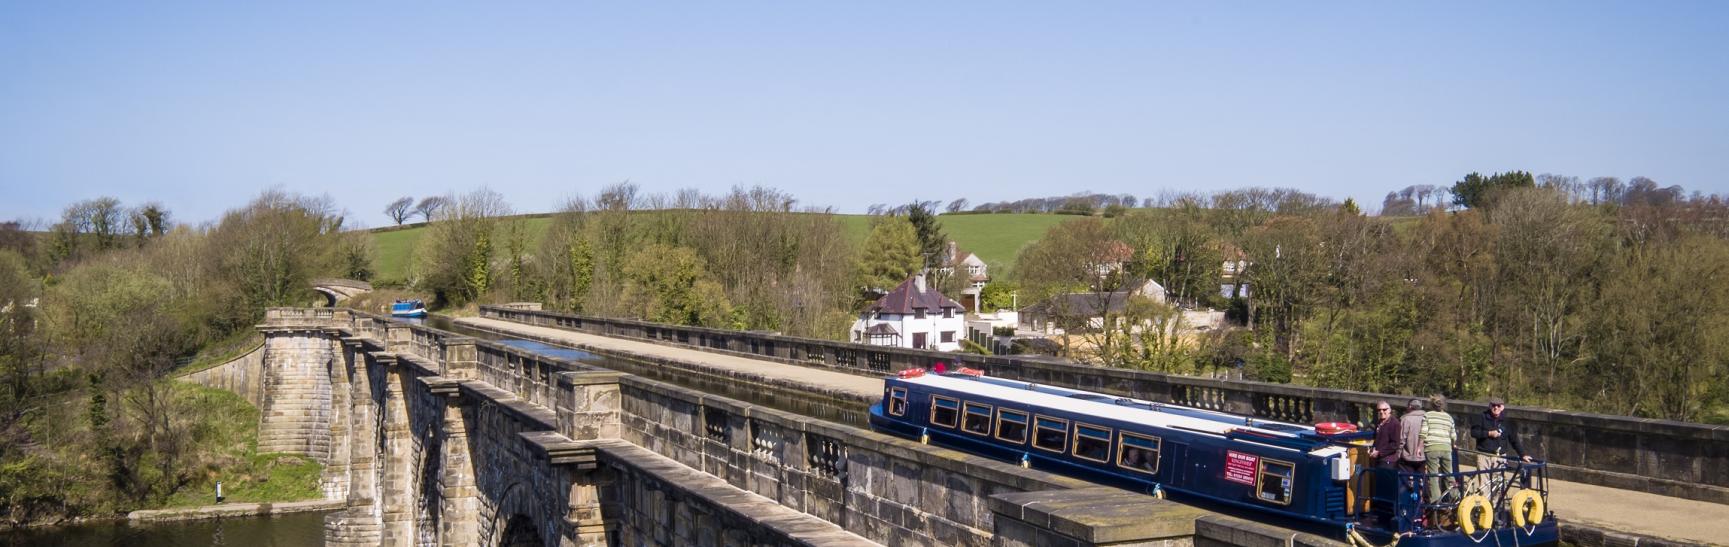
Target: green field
x: 995, y: 238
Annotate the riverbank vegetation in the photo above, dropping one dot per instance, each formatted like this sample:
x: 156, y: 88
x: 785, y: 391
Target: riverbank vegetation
x: 93, y: 320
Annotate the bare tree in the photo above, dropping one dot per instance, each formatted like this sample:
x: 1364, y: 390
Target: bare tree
x: 400, y: 209
x: 958, y: 205
x: 429, y: 206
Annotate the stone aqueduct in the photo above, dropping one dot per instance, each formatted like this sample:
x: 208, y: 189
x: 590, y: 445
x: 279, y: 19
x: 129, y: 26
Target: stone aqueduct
x: 432, y: 438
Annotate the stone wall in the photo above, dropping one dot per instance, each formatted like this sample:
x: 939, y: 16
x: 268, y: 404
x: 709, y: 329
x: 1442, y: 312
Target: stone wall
x: 296, y: 407
x: 886, y: 489
x: 1667, y: 457
x: 243, y: 376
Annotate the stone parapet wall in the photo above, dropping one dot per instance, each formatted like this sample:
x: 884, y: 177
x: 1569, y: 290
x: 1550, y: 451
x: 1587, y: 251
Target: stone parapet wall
x: 243, y: 376
x: 1672, y: 458
x: 886, y: 489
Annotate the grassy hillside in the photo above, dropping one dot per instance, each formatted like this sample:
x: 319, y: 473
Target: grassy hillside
x: 396, y: 247
x: 995, y: 238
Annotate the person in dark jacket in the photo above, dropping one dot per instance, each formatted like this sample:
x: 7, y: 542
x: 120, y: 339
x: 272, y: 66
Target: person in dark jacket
x: 1496, y: 436
x: 1386, y: 448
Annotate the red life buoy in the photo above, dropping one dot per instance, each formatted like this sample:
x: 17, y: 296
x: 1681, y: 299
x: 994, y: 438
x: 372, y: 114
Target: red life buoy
x: 912, y: 373
x: 1335, y: 428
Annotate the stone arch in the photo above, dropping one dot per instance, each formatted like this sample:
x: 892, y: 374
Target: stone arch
x: 519, y: 531
x: 513, y: 522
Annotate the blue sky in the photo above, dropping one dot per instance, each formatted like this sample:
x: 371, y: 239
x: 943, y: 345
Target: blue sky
x: 201, y: 106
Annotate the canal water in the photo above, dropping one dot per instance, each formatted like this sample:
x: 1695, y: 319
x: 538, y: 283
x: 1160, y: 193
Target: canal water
x: 290, y: 530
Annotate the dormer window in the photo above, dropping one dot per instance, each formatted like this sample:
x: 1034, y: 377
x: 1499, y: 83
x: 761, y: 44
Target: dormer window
x: 948, y: 313
x: 918, y: 313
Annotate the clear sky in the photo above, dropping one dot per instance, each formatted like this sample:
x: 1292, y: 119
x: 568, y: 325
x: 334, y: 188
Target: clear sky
x: 201, y: 106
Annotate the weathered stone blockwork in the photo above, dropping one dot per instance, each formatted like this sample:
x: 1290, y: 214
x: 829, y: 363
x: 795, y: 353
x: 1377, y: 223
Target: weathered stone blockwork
x: 886, y: 489
x: 243, y: 376
x: 424, y: 449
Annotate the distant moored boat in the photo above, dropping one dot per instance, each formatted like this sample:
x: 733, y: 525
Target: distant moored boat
x: 408, y: 308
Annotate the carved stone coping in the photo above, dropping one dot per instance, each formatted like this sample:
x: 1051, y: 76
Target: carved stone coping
x: 439, y: 385
x: 533, y: 416
x: 424, y: 365
x: 560, y: 450
x: 588, y: 378
x: 1100, y: 515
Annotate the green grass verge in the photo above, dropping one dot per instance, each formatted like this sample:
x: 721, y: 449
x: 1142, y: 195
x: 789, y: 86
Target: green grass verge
x: 229, y: 432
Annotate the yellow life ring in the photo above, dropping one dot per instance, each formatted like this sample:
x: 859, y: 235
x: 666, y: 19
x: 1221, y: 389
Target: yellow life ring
x: 1527, y: 508
x: 1482, y: 520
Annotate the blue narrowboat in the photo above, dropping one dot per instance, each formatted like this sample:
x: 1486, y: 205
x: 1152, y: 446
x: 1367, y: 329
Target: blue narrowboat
x: 1313, y: 477
x: 407, y: 308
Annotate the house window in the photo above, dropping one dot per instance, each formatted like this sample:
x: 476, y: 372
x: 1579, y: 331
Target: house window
x: 1092, y: 443
x: 918, y: 313
x: 918, y: 340
x: 1139, y: 453
x: 897, y: 401
x: 948, y: 336
x: 1050, y: 433
x: 978, y: 420
x: 1273, y: 481
x: 1012, y: 426
x: 948, y: 313
x: 944, y: 411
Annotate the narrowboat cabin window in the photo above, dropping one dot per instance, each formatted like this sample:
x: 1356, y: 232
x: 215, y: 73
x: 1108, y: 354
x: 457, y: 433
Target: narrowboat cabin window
x: 1092, y: 443
x: 1050, y: 434
x: 1138, y: 453
x: 897, y: 401
x: 1012, y: 426
x: 944, y: 411
x: 1273, y: 481
x: 977, y: 420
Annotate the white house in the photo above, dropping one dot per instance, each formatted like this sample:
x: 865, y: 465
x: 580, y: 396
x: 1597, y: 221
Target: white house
x: 912, y: 316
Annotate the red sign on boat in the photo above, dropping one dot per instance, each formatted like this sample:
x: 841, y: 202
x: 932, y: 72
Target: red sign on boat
x: 1240, y: 467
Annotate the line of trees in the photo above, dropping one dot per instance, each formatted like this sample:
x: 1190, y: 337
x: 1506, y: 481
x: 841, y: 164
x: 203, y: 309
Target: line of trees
x: 1594, y: 296
x: 748, y: 259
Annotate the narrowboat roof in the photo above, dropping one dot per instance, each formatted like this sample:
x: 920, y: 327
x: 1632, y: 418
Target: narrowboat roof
x: 1107, y: 406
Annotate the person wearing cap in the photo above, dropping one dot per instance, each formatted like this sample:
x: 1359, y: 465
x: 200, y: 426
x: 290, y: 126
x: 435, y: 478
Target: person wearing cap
x: 1496, y: 436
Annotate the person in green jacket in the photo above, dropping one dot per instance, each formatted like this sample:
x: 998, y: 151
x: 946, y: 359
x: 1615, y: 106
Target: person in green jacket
x: 1438, y: 434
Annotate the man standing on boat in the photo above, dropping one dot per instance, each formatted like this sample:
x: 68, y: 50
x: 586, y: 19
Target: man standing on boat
x: 1496, y: 437
x: 1438, y: 435
x: 1386, y: 448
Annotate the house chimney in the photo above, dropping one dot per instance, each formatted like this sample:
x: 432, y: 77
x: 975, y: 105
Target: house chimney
x: 919, y: 281
x: 953, y: 253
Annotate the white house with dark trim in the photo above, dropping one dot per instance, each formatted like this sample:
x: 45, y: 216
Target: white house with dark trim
x: 912, y: 316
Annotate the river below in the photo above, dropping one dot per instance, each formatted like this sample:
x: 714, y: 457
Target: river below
x: 289, y: 530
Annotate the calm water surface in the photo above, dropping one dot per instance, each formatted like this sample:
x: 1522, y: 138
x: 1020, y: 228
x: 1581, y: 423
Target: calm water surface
x: 290, y: 530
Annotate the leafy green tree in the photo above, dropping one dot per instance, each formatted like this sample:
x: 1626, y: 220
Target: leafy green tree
x: 454, y: 258
x: 999, y: 295
x: 891, y: 254
x: 933, y: 243
x: 672, y: 285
